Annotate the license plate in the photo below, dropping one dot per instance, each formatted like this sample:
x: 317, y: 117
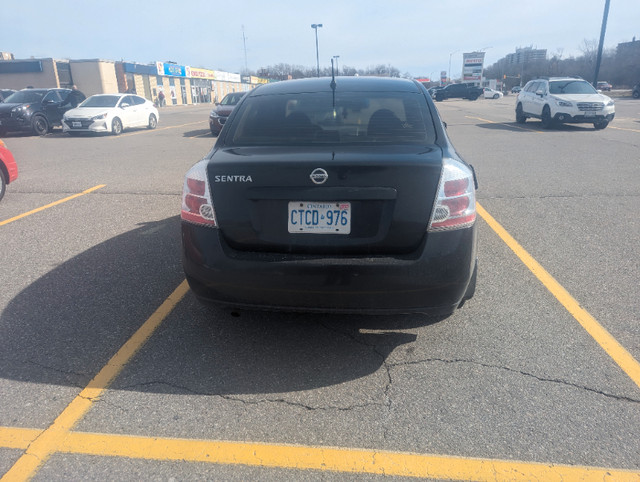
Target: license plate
x: 319, y: 217
x: 589, y: 114
x: 76, y: 124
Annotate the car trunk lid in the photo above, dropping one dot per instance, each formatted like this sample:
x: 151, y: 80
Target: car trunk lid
x: 388, y: 191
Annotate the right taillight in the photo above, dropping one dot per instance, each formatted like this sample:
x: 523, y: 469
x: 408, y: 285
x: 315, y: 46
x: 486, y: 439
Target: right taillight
x: 197, y: 206
x: 455, y: 206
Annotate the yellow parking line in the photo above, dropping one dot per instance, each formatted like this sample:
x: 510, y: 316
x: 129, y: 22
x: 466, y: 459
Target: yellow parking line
x: 17, y: 438
x: 59, y: 437
x: 610, y: 345
x: 37, y: 210
x: 50, y: 439
x: 623, y: 129
x: 504, y: 124
x: 403, y: 464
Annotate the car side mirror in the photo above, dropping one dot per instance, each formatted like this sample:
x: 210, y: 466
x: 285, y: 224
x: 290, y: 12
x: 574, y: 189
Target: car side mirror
x: 124, y: 105
x: 540, y: 93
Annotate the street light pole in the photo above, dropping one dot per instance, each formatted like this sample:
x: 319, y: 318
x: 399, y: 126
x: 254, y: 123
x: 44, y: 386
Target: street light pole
x: 449, y: 72
x: 337, y: 70
x: 315, y: 27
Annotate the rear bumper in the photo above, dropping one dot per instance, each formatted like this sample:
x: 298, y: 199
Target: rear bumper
x: 433, y: 279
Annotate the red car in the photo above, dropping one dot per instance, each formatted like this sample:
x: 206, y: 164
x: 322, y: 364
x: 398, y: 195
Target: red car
x: 8, y: 168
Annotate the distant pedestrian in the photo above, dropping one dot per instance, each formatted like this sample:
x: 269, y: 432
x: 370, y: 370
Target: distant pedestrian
x: 161, y: 98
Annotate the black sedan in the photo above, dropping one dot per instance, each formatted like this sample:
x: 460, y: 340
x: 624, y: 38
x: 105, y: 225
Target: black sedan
x: 37, y: 110
x: 326, y: 195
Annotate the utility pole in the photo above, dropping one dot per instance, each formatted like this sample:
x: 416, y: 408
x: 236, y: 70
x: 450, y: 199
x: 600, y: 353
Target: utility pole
x: 315, y: 27
x: 244, y: 41
x: 601, y: 45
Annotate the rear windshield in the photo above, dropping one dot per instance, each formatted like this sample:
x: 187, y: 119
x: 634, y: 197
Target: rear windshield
x: 571, y: 87
x: 326, y: 118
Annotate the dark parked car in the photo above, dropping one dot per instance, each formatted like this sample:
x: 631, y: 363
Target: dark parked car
x: 332, y: 197
x: 4, y: 93
x: 604, y: 85
x: 221, y: 112
x: 516, y: 89
x: 458, y: 91
x: 636, y: 91
x: 37, y: 110
x: 8, y: 168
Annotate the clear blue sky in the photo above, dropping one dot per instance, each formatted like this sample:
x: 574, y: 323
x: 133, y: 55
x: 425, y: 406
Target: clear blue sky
x: 414, y: 36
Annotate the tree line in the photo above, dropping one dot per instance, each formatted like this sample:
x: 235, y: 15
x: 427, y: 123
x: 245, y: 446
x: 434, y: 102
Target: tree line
x: 619, y: 68
x: 288, y: 71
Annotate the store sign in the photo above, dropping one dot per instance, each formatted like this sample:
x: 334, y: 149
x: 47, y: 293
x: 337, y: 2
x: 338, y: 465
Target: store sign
x: 171, y: 70
x: 202, y: 73
x: 472, y: 66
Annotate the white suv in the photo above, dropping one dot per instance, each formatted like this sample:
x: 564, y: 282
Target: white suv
x: 564, y: 100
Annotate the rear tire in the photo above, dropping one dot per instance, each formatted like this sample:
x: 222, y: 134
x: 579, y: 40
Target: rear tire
x: 520, y: 117
x: 40, y: 125
x: 636, y: 94
x: 547, y: 120
x: 471, y: 288
x: 116, y: 127
x: 497, y: 96
x: 153, y: 122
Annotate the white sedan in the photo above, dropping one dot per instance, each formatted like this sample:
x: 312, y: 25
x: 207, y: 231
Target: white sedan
x: 492, y: 94
x: 110, y: 113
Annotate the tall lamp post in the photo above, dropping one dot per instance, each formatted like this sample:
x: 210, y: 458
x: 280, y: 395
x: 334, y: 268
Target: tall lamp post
x: 337, y: 70
x: 315, y: 27
x: 449, y: 72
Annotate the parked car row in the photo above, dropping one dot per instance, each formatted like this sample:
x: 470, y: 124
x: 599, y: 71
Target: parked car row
x: 40, y: 110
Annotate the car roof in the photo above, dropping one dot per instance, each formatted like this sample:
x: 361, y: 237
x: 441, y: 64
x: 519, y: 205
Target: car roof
x: 45, y: 89
x: 118, y: 94
x: 343, y: 84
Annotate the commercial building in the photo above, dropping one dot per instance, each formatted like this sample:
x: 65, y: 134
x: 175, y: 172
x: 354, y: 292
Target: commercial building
x: 180, y: 84
x: 526, y: 55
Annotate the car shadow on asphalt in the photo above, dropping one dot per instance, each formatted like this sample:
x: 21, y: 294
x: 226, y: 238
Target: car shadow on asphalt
x: 198, y: 133
x: 65, y: 326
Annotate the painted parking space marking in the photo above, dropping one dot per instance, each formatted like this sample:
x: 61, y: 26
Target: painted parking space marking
x: 50, y: 205
x: 40, y: 445
x: 333, y: 459
x: 49, y: 440
x: 608, y: 343
x: 504, y: 124
x: 623, y: 129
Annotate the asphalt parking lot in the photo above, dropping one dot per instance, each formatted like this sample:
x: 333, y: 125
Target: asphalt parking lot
x: 111, y: 370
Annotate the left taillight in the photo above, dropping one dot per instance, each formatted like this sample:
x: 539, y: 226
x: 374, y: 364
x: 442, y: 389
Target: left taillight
x: 455, y: 207
x: 197, y: 206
